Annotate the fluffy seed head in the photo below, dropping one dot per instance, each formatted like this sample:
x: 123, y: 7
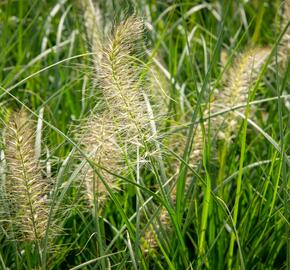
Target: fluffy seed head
x: 240, y: 78
x: 119, y: 80
x: 125, y: 122
x: 25, y: 187
x: 100, y: 144
x: 94, y: 27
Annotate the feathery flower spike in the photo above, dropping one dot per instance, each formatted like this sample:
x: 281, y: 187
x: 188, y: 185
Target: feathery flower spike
x: 99, y: 142
x: 24, y: 183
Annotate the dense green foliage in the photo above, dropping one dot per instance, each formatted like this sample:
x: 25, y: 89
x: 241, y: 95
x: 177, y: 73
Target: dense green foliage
x: 238, y: 192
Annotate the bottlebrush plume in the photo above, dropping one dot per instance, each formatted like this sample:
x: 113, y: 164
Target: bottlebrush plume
x: 100, y: 144
x: 25, y: 187
x: 239, y: 80
x: 120, y: 81
x: 94, y: 27
x: 124, y: 123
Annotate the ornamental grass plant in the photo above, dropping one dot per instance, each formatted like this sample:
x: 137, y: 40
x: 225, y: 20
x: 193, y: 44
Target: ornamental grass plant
x: 144, y: 135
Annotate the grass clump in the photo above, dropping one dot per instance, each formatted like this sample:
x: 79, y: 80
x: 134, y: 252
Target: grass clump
x: 161, y: 139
